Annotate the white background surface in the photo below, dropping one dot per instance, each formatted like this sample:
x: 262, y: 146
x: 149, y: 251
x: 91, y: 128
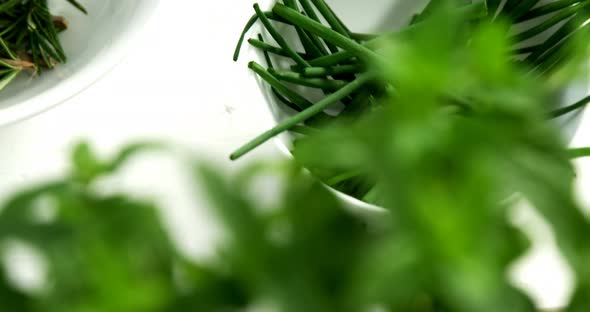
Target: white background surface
x: 179, y: 84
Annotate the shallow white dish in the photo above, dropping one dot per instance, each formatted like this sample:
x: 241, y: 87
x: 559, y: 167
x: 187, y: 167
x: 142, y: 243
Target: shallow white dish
x: 94, y: 44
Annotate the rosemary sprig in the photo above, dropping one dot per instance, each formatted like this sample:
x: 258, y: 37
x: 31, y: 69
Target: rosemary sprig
x: 29, y: 37
x: 10, y: 66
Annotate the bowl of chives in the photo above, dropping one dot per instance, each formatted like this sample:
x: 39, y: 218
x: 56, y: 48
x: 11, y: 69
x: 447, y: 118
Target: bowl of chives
x: 304, y: 76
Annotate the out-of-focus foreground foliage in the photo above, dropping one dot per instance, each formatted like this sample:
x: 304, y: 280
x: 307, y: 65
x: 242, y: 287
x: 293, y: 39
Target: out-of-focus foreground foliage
x: 444, y: 171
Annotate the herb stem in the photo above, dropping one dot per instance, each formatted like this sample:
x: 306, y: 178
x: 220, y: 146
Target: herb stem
x: 564, y: 110
x: 305, y: 130
x: 330, y: 17
x: 267, y: 58
x: 309, y: 11
x: 332, y: 71
x: 579, y: 152
x: 293, y: 96
x: 247, y: 28
x: 278, y: 37
x: 265, y: 47
x: 319, y: 83
x: 328, y: 34
x: 332, y: 59
x: 308, y: 45
x: 547, y: 9
x: 303, y: 116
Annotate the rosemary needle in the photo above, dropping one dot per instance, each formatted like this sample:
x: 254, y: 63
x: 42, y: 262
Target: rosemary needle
x: 257, y: 43
x: 78, y: 6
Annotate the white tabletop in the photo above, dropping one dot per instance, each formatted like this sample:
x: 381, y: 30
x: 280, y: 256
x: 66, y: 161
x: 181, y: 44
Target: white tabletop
x: 179, y: 84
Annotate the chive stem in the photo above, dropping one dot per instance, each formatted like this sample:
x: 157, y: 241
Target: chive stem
x: 363, y: 36
x: 328, y: 34
x: 277, y: 36
x: 305, y: 130
x: 337, y: 18
x: 564, y: 110
x: 285, y: 101
x: 293, y: 96
x: 319, y: 83
x: 308, y: 45
x: 310, y: 12
x: 332, y: 71
x: 579, y: 152
x: 303, y: 116
x: 267, y: 58
x: 330, y: 17
x: 247, y: 28
x: 332, y: 59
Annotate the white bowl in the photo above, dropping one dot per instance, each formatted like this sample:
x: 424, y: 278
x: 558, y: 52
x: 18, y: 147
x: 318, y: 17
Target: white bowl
x: 94, y: 44
x: 388, y: 15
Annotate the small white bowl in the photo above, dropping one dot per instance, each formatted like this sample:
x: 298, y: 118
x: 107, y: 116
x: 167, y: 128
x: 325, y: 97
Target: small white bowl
x: 383, y: 15
x: 94, y: 44
x: 388, y: 15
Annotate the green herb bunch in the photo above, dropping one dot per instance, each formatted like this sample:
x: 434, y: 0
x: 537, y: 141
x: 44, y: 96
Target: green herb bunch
x: 110, y: 252
x: 544, y: 40
x: 29, y: 37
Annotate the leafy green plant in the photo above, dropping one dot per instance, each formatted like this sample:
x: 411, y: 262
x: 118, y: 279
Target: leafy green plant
x: 29, y: 37
x: 341, y: 63
x: 445, y: 247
